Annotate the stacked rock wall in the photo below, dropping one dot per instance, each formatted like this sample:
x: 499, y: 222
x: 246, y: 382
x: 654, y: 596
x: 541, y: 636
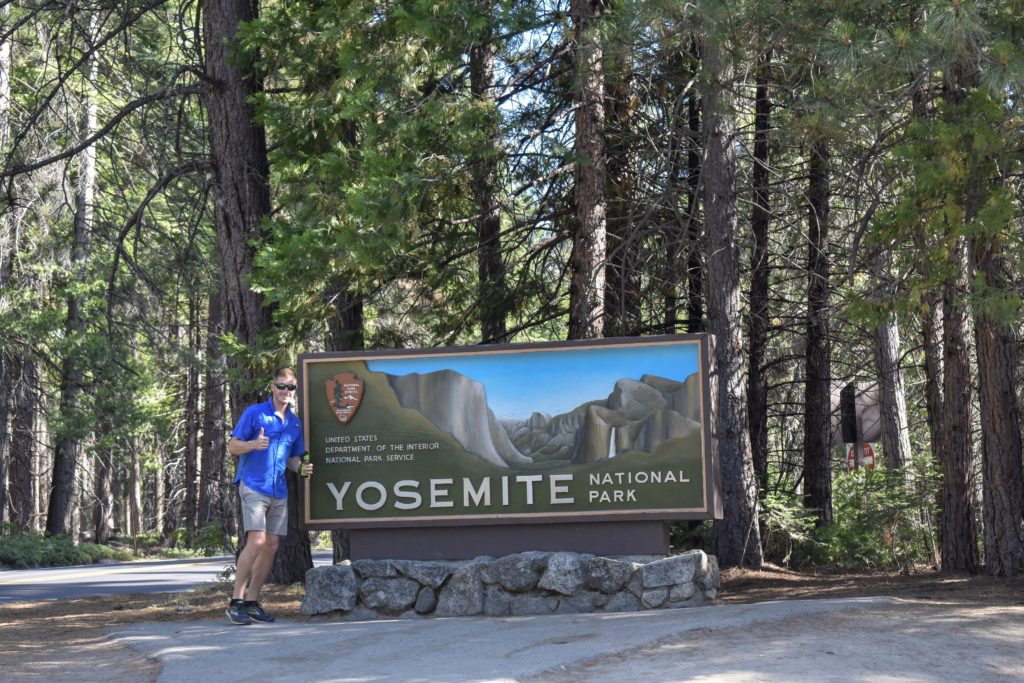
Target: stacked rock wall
x: 520, y: 584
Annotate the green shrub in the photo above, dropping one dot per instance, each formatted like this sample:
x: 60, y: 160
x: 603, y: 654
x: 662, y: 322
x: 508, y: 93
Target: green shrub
x: 148, y: 539
x: 100, y: 553
x: 208, y: 540
x: 22, y: 551
x: 211, y: 540
x: 877, y: 519
x: 787, y: 526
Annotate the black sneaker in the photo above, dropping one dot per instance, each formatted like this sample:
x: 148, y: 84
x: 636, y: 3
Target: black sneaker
x: 256, y: 613
x: 237, y: 613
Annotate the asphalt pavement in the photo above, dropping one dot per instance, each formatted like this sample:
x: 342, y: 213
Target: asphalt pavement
x: 874, y: 640
x: 864, y: 640
x: 111, y: 578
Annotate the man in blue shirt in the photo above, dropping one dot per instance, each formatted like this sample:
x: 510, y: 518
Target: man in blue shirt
x: 266, y: 441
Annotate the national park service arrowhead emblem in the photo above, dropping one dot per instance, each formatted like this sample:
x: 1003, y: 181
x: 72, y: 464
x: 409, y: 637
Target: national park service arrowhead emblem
x: 344, y: 394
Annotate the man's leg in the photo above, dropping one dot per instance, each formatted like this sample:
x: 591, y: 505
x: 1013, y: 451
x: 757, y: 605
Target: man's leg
x: 261, y: 565
x: 275, y: 527
x: 255, y: 542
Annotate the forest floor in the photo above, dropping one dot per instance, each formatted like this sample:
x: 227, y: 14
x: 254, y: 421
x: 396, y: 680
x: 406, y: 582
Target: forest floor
x: 42, y: 640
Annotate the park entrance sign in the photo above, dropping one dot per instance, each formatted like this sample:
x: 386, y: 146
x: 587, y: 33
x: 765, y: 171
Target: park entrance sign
x: 602, y: 430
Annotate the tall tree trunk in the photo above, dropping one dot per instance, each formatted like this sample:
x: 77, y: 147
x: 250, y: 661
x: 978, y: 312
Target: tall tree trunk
x: 238, y: 149
x: 191, y: 452
x: 760, y: 273
x: 66, y: 457
x: 171, y: 508
x: 671, y: 276
x: 103, y: 484
x: 242, y: 196
x: 136, y: 523
x: 159, y: 495
x: 8, y: 250
x: 737, y: 536
x: 5, y: 455
x: 589, y: 245
x: 694, y: 227
x: 818, y: 393
x: 623, y: 315
x: 214, y: 498
x: 895, y: 427
x: 24, y: 389
x: 345, y: 332
x: 959, y: 534
x: 931, y: 332
x: 1002, y: 473
x: 493, y: 298
x: 682, y: 223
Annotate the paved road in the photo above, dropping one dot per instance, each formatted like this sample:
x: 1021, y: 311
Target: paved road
x: 158, y: 576
x: 876, y: 640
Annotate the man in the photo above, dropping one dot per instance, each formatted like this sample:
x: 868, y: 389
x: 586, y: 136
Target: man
x: 266, y: 440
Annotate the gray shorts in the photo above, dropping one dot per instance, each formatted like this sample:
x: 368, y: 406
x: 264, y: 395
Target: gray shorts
x: 263, y: 513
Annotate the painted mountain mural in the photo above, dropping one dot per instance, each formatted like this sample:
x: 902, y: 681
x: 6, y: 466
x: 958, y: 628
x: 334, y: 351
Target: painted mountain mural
x: 636, y: 417
x: 457, y: 404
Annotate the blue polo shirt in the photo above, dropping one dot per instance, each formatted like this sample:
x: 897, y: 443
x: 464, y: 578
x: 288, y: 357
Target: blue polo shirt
x: 263, y: 471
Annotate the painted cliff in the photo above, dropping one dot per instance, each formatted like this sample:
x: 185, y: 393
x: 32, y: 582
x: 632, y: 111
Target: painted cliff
x: 457, y: 405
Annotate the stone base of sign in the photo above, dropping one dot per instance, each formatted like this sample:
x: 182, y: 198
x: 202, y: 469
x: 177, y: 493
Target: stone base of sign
x: 521, y: 584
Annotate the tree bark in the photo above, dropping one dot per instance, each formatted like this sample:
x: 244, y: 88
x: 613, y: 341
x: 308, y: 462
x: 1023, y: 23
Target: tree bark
x: 684, y: 268
x: 695, y: 270
x: 135, y: 524
x: 6, y: 514
x: 103, y: 487
x: 238, y: 149
x: 589, y: 245
x: 24, y: 389
x: 492, y: 297
x: 760, y: 273
x: 191, y: 451
x: 171, y: 507
x: 737, y: 536
x: 623, y: 315
x: 345, y: 333
x: 63, y: 496
x: 159, y: 496
x: 895, y: 428
x: 214, y: 488
x: 959, y: 534
x: 931, y: 332
x: 1002, y: 473
x: 7, y: 252
x: 818, y: 394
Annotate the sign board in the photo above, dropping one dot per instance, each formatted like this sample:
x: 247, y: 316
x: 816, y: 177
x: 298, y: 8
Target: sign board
x: 856, y: 413
x: 866, y: 457
x: 600, y: 430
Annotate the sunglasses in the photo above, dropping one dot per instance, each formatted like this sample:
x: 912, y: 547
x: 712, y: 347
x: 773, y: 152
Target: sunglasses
x: 289, y: 387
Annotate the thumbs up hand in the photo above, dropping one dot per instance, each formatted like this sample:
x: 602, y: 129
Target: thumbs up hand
x: 261, y: 441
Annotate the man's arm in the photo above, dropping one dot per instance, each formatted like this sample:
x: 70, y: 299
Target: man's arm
x: 296, y: 465
x: 237, y: 447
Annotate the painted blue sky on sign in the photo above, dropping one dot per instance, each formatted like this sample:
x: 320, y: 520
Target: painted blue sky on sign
x: 522, y: 382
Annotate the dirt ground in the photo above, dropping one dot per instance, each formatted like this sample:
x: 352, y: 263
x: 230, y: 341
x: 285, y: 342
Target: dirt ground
x: 41, y: 640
